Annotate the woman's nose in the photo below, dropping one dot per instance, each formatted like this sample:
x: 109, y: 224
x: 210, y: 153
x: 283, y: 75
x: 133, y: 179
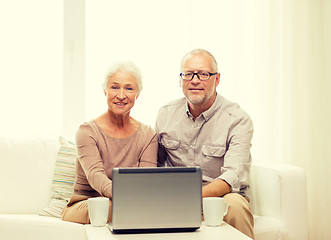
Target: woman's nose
x: 121, y: 94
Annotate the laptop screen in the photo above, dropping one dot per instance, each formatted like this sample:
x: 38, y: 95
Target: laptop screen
x: 159, y: 199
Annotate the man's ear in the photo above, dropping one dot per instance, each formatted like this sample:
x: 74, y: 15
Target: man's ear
x: 218, y: 79
x: 180, y: 82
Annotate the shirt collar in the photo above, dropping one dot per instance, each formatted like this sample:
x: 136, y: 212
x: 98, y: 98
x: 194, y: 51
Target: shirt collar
x: 210, y: 111
x: 187, y: 110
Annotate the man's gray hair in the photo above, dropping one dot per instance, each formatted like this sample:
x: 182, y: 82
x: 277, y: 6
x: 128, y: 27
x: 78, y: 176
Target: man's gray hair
x: 126, y: 66
x: 199, y: 51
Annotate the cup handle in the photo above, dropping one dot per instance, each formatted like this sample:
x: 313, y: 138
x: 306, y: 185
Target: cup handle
x: 226, y: 209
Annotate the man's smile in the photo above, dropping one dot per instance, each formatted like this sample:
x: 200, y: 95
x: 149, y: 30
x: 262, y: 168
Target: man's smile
x: 196, y: 89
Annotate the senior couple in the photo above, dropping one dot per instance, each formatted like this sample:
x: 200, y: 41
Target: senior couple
x: 201, y: 129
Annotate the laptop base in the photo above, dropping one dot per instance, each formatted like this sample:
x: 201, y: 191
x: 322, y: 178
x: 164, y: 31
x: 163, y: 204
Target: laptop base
x: 156, y: 230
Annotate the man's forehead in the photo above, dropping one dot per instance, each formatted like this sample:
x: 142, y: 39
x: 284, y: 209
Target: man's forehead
x: 197, y: 61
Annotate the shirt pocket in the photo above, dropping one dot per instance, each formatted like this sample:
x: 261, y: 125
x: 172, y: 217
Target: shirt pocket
x: 212, y: 160
x: 170, y: 144
x: 213, y: 151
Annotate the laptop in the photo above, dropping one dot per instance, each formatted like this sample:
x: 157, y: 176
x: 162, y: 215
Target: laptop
x: 160, y: 199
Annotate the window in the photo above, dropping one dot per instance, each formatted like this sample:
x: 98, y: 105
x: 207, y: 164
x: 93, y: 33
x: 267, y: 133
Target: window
x: 31, y: 67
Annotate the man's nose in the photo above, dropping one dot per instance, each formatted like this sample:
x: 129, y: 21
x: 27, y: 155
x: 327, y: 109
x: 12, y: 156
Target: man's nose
x: 195, y: 79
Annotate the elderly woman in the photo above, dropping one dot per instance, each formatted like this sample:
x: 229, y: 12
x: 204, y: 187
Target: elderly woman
x: 113, y: 139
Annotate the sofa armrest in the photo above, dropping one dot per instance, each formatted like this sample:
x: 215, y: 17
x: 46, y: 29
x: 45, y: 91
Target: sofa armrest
x: 280, y: 191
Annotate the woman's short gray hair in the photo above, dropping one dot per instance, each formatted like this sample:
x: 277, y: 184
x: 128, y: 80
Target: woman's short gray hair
x: 126, y: 66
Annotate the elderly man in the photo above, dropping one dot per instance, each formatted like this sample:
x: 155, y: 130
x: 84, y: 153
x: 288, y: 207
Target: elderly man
x: 205, y: 129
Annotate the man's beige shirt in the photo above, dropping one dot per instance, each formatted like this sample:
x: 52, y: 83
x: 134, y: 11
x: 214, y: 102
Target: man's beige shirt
x: 218, y: 141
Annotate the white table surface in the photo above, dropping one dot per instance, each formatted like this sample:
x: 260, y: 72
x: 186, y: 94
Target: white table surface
x: 225, y: 231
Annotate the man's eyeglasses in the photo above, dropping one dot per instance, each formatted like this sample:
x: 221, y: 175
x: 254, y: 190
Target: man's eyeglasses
x: 202, y: 75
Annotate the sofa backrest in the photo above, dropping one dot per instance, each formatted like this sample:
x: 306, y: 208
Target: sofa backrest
x: 265, y: 191
x: 26, y: 172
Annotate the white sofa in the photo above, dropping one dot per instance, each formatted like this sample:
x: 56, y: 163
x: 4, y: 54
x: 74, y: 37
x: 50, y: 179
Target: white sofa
x: 279, y: 201
x: 27, y: 165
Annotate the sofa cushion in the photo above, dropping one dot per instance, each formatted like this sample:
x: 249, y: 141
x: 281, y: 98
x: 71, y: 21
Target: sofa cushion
x: 26, y: 171
x: 35, y: 227
x: 268, y: 228
x: 63, y: 179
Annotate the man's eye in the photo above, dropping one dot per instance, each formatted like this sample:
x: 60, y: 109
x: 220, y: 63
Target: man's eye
x: 188, y: 74
x: 114, y: 87
x: 129, y: 88
x: 203, y: 74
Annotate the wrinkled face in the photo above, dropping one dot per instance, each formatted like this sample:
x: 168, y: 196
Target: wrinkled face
x: 121, y: 92
x: 199, y: 92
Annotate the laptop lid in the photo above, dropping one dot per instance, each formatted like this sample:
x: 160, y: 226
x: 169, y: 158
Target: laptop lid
x: 156, y: 199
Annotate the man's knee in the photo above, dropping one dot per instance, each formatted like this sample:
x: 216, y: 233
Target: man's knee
x: 237, y: 205
x: 239, y: 214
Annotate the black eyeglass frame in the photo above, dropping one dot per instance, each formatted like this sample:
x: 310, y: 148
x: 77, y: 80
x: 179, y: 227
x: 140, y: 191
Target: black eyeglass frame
x: 197, y: 74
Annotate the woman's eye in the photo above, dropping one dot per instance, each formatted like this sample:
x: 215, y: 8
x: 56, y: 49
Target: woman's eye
x: 129, y: 89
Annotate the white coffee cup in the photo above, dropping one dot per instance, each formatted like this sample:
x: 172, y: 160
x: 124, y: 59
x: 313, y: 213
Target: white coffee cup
x: 214, y: 209
x: 98, y: 208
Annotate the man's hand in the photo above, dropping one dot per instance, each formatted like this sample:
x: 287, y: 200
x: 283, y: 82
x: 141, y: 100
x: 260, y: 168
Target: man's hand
x: 217, y: 188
